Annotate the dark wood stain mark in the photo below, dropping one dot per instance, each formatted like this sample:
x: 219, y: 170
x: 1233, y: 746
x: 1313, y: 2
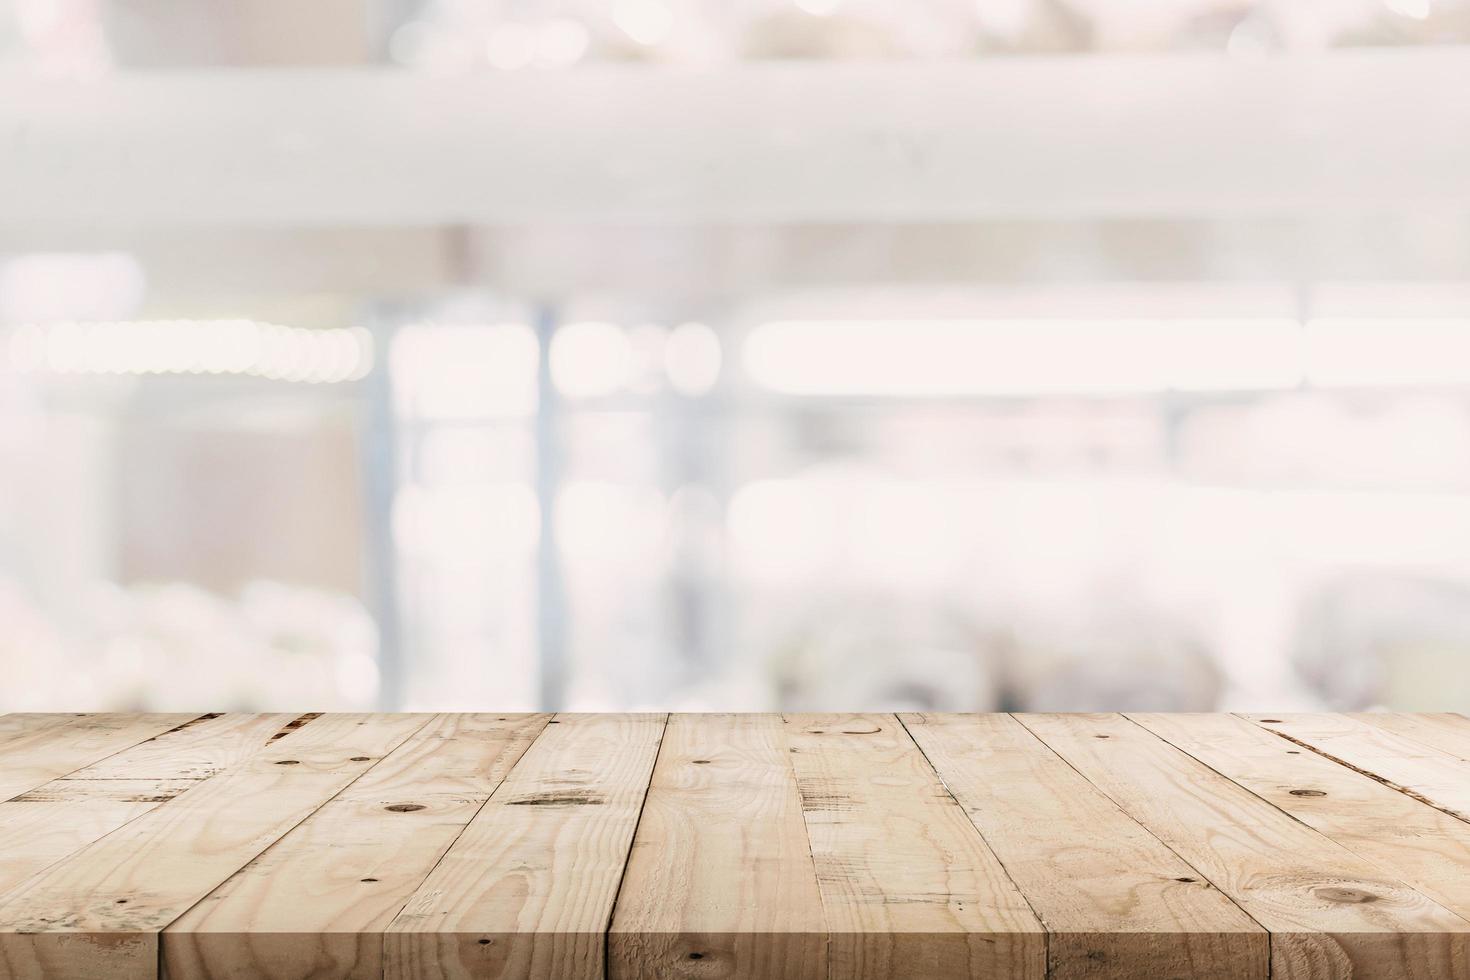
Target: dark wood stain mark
x: 295, y: 724
x: 818, y: 796
x: 188, y: 724
x: 567, y: 797
x: 1347, y: 896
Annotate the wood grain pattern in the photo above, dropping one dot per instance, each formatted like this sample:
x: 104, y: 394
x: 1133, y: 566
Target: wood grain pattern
x: 1435, y: 777
x: 98, y: 913
x: 21, y: 723
x: 1449, y: 733
x: 39, y: 753
x: 528, y: 889
x: 316, y: 902
x: 908, y: 886
x: 1418, y: 844
x: 723, y: 847
x: 44, y: 825
x: 1330, y: 913
x: 720, y: 881
x: 1097, y: 879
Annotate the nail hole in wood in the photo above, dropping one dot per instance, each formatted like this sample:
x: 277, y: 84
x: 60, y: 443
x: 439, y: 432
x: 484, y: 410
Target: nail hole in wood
x: 403, y: 807
x: 289, y: 762
x: 485, y: 942
x: 696, y: 956
x: 365, y: 880
x: 122, y: 901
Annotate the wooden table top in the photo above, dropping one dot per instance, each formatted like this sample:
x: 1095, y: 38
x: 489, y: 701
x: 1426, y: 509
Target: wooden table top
x: 733, y: 846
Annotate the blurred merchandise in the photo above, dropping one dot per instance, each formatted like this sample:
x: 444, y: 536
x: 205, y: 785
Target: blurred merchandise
x: 1370, y: 640
x: 176, y: 647
x: 683, y: 354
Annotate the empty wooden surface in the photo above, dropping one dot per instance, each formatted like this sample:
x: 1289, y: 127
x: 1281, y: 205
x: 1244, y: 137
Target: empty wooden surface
x: 704, y: 847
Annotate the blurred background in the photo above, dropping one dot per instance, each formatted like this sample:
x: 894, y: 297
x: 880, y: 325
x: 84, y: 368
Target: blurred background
x: 770, y: 354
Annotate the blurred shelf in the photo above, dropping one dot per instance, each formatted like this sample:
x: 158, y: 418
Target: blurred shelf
x: 1114, y: 136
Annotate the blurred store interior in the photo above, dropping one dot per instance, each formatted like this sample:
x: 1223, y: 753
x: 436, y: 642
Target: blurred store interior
x: 751, y: 355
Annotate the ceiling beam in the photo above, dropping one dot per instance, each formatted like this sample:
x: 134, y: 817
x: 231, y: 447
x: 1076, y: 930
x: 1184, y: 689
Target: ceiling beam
x: 1114, y: 136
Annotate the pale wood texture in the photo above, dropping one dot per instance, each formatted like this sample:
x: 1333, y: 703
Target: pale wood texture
x: 1330, y: 912
x: 1096, y: 878
x: 908, y: 887
x: 1420, y: 845
x: 1436, y: 777
x: 48, y: 749
x: 316, y: 902
x: 1450, y: 733
x: 528, y: 889
x: 720, y: 880
x: 723, y: 847
x: 45, y: 824
x: 21, y: 723
x: 97, y: 914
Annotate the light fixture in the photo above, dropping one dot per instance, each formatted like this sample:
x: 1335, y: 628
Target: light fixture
x: 238, y: 346
x: 937, y: 358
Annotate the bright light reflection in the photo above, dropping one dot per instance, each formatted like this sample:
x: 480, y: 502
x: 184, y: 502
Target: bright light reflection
x: 1356, y: 351
x: 938, y: 358
x: 590, y: 360
x: 469, y: 526
x: 648, y: 22
x: 692, y: 359
x: 610, y: 523
x: 465, y: 370
x: 263, y: 350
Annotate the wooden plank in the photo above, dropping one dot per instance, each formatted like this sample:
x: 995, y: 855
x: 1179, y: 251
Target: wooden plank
x: 1418, y: 844
x: 206, y: 746
x: 316, y: 902
x: 527, y: 890
x: 1113, y: 898
x: 1447, y: 732
x: 98, y: 913
x: 21, y: 723
x: 720, y: 881
x: 42, y: 826
x: 1330, y: 912
x: 36, y: 756
x: 908, y: 886
x: 1410, y: 766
